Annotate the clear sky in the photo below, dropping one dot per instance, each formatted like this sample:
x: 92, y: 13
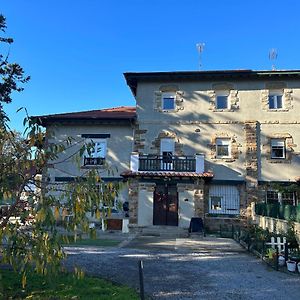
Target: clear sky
x: 77, y: 50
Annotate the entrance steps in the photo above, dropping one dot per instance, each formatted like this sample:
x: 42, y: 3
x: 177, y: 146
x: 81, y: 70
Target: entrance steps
x: 162, y: 231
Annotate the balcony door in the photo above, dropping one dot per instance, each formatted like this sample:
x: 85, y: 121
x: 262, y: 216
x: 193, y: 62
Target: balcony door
x: 165, y: 206
x: 167, y: 149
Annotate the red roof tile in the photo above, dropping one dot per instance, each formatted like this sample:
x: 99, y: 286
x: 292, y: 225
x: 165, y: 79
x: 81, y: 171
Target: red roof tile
x: 114, y: 113
x: 166, y: 174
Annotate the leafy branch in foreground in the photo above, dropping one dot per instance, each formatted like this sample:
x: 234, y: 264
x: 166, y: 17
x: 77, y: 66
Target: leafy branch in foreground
x: 34, y: 212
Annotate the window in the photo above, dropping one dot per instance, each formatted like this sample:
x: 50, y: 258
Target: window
x: 289, y: 198
x: 215, y: 203
x: 285, y: 198
x: 272, y: 197
x: 222, y: 100
x: 224, y: 199
x: 277, y: 148
x: 275, y: 100
x: 223, y: 148
x: 168, y: 101
x: 95, y: 153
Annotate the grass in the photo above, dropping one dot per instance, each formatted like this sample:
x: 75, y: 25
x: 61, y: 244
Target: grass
x: 62, y: 286
x: 92, y: 242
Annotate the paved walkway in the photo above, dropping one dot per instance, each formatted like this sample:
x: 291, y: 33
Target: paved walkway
x: 198, y: 268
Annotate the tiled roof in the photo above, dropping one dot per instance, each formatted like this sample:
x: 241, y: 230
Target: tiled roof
x: 166, y: 174
x: 114, y: 113
x: 132, y: 78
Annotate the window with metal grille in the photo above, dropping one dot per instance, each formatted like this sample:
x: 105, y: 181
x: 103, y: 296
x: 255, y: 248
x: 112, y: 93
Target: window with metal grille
x: 285, y: 198
x: 272, y: 197
x: 224, y: 199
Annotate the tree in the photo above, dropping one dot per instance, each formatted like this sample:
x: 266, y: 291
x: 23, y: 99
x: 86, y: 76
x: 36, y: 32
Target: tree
x: 30, y: 238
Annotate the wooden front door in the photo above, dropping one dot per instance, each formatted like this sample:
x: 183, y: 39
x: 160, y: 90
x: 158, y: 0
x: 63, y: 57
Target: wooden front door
x: 165, y: 209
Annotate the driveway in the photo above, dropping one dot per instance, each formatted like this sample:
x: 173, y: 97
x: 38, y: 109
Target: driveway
x: 197, y: 268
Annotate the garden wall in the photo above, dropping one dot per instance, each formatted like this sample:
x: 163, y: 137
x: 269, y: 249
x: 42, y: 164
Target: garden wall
x: 273, y: 224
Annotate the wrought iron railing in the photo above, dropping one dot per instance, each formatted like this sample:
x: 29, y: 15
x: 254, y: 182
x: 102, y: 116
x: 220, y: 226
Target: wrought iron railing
x: 167, y: 163
x: 94, y: 161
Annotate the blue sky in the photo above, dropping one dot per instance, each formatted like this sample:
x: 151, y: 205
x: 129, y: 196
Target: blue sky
x: 76, y: 51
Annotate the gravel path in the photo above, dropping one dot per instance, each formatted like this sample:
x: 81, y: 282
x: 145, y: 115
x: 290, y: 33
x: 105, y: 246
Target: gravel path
x: 209, y: 268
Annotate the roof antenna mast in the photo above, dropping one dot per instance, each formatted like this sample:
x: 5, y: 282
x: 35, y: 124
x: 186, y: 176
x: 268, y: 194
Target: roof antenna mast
x: 273, y: 57
x: 200, y: 49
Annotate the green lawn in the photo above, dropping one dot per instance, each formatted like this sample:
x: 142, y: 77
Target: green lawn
x: 62, y: 286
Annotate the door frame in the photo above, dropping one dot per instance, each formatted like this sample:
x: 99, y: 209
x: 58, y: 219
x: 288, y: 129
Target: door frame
x: 167, y: 201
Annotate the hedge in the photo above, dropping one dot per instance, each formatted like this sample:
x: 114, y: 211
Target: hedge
x: 284, y: 212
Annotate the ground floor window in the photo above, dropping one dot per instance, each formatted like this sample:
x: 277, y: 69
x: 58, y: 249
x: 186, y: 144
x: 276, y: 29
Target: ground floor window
x: 224, y: 199
x: 285, y: 198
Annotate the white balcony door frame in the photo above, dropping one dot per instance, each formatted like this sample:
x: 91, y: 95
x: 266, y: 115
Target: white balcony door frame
x: 167, y: 145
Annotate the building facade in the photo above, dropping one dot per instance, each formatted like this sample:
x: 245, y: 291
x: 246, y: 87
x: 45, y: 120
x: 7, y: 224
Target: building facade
x: 207, y: 144
x: 198, y: 144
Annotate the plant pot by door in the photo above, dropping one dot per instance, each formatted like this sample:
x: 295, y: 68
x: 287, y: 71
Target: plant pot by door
x: 291, y: 265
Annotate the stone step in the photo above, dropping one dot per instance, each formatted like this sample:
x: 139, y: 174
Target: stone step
x: 164, y: 231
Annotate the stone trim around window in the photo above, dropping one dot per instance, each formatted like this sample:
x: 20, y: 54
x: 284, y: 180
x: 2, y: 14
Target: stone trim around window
x: 287, y: 96
x: 233, y: 98
x: 289, y: 148
x: 168, y: 89
x: 234, y: 147
x: 170, y: 135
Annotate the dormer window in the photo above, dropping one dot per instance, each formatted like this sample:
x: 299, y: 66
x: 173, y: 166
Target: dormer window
x: 222, y: 100
x: 168, y: 101
x: 275, y: 100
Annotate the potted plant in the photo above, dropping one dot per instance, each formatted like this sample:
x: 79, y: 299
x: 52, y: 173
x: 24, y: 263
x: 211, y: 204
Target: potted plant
x: 281, y: 260
x: 291, y: 265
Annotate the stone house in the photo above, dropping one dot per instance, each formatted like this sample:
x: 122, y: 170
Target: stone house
x: 199, y: 143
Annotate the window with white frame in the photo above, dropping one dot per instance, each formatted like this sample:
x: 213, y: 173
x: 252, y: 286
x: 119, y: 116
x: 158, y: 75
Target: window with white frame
x: 278, y: 148
x: 95, y: 152
x: 223, y: 147
x: 285, y: 198
x: 224, y: 199
x: 222, y: 100
x: 168, y: 101
x: 275, y: 99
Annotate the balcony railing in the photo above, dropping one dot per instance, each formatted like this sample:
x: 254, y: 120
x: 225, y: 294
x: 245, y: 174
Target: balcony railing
x: 167, y: 163
x: 93, y: 161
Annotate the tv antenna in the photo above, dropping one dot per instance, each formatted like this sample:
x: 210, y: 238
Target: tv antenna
x: 273, y: 56
x: 200, y: 49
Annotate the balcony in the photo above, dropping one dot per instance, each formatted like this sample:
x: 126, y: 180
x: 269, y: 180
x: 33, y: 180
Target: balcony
x: 163, y: 163
x: 155, y: 163
x: 93, y: 161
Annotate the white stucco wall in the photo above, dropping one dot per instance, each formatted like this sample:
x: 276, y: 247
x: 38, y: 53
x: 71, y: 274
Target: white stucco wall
x: 145, y: 206
x: 186, y: 209
x: 119, y: 147
x: 195, y: 124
